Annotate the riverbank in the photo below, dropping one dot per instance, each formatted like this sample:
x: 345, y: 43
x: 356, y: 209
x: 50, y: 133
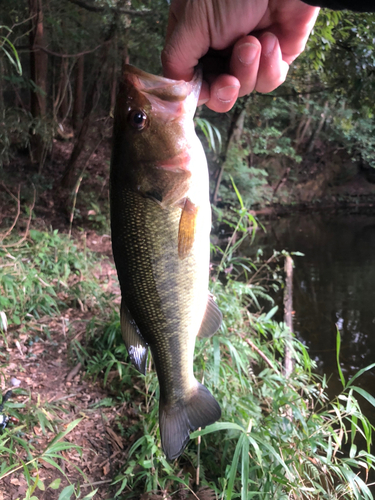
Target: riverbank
x: 61, y: 304
x: 317, y: 184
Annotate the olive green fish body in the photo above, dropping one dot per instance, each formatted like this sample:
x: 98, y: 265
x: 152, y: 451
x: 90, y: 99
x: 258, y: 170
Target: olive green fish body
x: 166, y: 294
x: 160, y: 217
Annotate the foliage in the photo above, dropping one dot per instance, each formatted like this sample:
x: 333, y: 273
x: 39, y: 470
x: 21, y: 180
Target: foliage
x: 250, y: 180
x: 209, y: 132
x: 21, y: 456
x: 8, y: 49
x: 41, y: 275
x: 327, y: 97
x: 279, y: 437
x: 52, y: 270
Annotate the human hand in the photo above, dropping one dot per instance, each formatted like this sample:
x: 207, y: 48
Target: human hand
x: 216, y: 32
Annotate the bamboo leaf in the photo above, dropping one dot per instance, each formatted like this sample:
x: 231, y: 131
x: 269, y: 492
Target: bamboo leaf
x: 338, y: 345
x: 61, y: 435
x: 90, y: 495
x: 245, y: 469
x: 233, y: 468
x: 67, y: 493
x: 364, y: 394
x: 218, y: 426
x: 359, y: 373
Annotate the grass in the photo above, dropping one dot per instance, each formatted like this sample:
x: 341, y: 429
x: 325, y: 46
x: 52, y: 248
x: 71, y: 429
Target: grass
x: 40, y: 277
x: 279, y: 437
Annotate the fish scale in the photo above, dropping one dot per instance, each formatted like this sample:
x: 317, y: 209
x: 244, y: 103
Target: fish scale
x: 149, y: 278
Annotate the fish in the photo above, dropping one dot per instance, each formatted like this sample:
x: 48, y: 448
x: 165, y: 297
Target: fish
x: 160, y: 226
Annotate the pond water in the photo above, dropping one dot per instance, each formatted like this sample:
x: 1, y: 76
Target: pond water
x: 334, y: 284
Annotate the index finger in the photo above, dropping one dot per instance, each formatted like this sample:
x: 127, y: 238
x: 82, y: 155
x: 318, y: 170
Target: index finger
x: 183, y: 49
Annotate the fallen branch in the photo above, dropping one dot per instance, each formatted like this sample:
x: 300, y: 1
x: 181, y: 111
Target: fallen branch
x: 7, y: 233
x: 258, y: 351
x: 26, y: 234
x: 288, y: 314
x: 78, y: 183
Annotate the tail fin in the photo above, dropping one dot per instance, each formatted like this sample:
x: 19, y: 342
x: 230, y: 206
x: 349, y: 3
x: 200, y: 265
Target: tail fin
x: 177, y: 421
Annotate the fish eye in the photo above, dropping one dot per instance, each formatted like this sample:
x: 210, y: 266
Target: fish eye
x: 138, y: 119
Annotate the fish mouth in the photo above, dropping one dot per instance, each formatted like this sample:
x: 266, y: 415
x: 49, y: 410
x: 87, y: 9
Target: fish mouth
x: 165, y: 89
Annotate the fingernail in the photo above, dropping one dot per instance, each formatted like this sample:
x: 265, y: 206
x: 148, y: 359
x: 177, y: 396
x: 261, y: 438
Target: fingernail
x: 268, y: 42
x: 247, y: 53
x: 202, y: 101
x: 227, y: 94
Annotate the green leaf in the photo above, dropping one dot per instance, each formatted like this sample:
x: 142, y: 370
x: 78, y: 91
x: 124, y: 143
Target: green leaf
x: 67, y: 493
x: 218, y: 426
x: 216, y: 346
x: 55, y: 485
x: 60, y: 435
x: 40, y: 484
x: 237, y: 192
x: 338, y: 345
x: 60, y: 446
x: 90, y: 495
x: 364, y: 394
x: 358, y: 374
x: 50, y: 461
x: 27, y: 475
x: 245, y: 469
x: 271, y: 313
x: 233, y: 468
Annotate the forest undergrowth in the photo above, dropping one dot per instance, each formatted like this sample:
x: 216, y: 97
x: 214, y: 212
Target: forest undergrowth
x: 90, y: 428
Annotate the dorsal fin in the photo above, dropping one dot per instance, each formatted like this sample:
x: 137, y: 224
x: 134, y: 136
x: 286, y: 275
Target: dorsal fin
x: 136, y: 346
x: 211, y: 320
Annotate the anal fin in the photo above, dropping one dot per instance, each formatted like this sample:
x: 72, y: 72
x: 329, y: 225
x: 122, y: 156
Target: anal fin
x: 136, y: 346
x: 211, y: 320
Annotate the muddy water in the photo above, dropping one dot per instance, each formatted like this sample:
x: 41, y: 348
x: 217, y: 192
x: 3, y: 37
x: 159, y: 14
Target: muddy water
x: 334, y: 284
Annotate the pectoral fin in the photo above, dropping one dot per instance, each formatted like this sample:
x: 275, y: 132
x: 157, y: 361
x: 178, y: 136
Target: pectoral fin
x: 187, y: 228
x: 136, y: 346
x: 211, y: 320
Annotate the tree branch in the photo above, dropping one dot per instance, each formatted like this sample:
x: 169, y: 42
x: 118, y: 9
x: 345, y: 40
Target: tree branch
x: 87, y: 6
x: 96, y: 8
x: 136, y: 12
x: 56, y: 54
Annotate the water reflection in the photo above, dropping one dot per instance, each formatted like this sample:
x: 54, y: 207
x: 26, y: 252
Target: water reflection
x: 334, y: 284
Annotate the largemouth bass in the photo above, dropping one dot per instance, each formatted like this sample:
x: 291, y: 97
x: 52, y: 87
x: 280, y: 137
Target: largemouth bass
x: 161, y: 220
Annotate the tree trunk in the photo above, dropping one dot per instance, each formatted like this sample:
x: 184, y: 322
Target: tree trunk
x: 38, y: 74
x: 63, y: 90
x: 68, y: 178
x: 113, y: 90
x: 315, y: 135
x: 78, y: 93
x: 234, y: 135
x: 303, y: 126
